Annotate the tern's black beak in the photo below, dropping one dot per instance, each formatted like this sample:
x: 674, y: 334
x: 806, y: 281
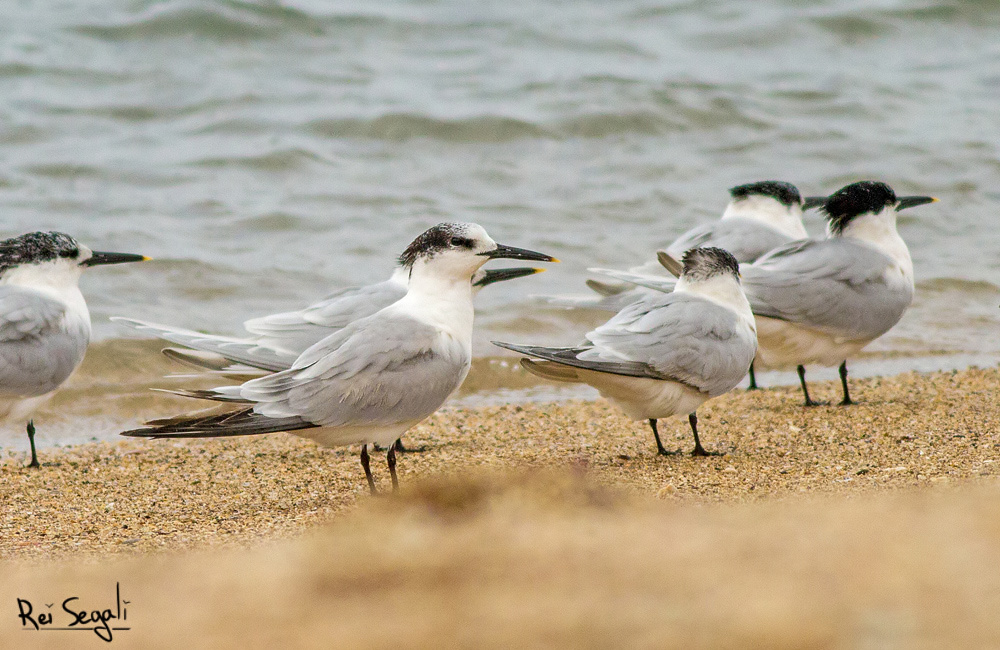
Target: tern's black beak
x: 97, y: 259
x: 499, y: 275
x: 910, y: 201
x: 811, y: 202
x: 511, y: 253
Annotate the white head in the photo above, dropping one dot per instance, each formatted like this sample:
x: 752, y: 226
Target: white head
x: 455, y: 251
x: 773, y: 203
x: 51, y: 258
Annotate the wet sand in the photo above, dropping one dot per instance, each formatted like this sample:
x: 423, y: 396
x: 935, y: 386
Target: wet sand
x: 552, y: 522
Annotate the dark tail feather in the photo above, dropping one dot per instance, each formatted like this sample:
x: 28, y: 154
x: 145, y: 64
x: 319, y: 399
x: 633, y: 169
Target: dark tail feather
x: 569, y: 357
x: 243, y: 422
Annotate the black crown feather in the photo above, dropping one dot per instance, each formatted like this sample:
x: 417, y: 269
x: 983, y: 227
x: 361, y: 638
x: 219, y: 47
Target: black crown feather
x: 782, y: 192
x: 703, y: 263
x: 36, y: 247
x: 434, y: 240
x: 856, y: 199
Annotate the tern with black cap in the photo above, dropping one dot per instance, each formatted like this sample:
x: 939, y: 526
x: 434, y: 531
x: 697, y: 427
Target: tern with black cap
x: 760, y: 216
x: 822, y: 301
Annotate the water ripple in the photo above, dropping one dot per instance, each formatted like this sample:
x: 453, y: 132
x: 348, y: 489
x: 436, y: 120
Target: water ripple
x: 406, y: 126
x: 236, y: 21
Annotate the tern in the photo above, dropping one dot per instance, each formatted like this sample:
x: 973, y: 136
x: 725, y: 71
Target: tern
x: 376, y: 377
x: 822, y: 301
x: 44, y: 321
x: 667, y: 353
x: 276, y: 341
x: 760, y: 216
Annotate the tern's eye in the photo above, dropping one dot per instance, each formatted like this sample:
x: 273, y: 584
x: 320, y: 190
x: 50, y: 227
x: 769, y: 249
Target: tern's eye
x: 462, y: 242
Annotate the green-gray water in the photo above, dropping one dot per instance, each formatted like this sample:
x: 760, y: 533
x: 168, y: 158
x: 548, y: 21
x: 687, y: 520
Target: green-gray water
x: 266, y: 153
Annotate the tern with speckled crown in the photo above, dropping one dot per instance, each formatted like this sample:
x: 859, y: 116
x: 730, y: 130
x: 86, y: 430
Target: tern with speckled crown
x: 378, y: 376
x: 666, y: 353
x: 276, y: 341
x: 44, y: 320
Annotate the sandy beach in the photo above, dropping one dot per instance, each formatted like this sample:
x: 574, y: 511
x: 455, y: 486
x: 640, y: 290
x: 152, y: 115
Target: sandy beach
x: 818, y: 527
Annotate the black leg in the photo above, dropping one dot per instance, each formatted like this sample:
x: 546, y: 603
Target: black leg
x: 698, y: 449
x: 368, y: 469
x: 400, y: 449
x: 390, y: 458
x: 847, y: 401
x: 656, y: 434
x: 805, y: 390
x: 31, y: 439
x: 753, y: 379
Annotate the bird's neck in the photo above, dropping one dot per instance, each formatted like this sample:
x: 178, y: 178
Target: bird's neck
x: 723, y: 290
x: 58, y: 279
x: 441, y: 300
x: 400, y: 275
x: 879, y: 232
x: 785, y: 219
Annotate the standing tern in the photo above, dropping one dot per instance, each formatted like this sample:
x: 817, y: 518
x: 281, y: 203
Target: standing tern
x: 822, y: 301
x: 277, y: 340
x: 44, y: 321
x: 667, y: 353
x: 760, y: 216
x: 370, y: 381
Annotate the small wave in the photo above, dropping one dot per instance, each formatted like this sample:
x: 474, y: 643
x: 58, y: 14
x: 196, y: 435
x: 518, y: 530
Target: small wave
x: 975, y: 13
x: 407, y: 126
x: 600, y: 125
x: 490, y: 128
x: 223, y: 21
x: 65, y: 170
x: 959, y: 285
x: 23, y: 134
x: 12, y: 69
x: 854, y: 27
x: 280, y: 160
x: 273, y: 222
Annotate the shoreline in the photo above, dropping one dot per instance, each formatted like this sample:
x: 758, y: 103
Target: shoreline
x: 821, y: 527
x: 113, y: 389
x: 133, y: 496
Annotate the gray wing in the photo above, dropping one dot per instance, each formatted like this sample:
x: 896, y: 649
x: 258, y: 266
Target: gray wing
x: 40, y: 346
x: 250, y: 352
x: 832, y: 285
x: 616, y: 296
x: 607, y: 303
x: 746, y: 239
x: 381, y: 370
x: 657, y: 283
x: 298, y: 330
x: 680, y: 336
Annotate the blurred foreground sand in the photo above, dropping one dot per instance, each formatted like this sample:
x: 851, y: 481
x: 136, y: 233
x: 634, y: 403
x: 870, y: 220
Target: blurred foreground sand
x: 547, y: 524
